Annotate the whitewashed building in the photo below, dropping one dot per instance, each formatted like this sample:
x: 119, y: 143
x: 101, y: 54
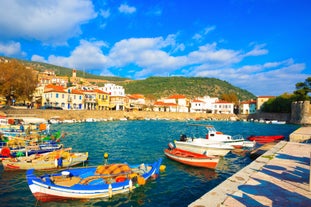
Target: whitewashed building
x: 117, y: 95
x: 182, y: 103
x: 223, y: 107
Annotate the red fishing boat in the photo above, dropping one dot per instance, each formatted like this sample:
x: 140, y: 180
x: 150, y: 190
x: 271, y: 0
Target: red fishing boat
x: 191, y: 158
x: 265, y: 138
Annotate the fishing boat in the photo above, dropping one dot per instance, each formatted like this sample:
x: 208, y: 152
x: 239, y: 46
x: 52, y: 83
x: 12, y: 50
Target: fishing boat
x: 102, y: 181
x: 48, y: 161
x: 197, y: 146
x: 265, y: 138
x: 191, y: 158
x: 214, y: 143
x: 20, y: 151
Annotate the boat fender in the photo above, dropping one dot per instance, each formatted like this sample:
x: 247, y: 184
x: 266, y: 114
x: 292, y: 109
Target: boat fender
x: 171, y: 146
x: 206, y: 136
x: 60, y: 162
x: 141, y: 180
x: 110, y: 191
x: 120, y: 179
x: 130, y: 186
x: 55, y: 163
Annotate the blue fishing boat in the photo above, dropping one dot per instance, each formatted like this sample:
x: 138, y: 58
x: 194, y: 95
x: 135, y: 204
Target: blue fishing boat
x: 102, y: 181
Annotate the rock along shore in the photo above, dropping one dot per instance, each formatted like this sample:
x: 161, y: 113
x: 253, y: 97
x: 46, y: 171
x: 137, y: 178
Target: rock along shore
x: 80, y: 115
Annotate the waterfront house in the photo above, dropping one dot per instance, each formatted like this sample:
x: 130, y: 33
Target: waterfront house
x: 197, y: 106
x: 223, y: 107
x: 182, y: 102
x: 261, y: 100
x: 248, y: 107
x: 90, y: 102
x: 135, y: 102
x: 102, y: 99
x: 55, y: 96
x: 165, y: 107
x: 117, y: 95
x: 75, y: 99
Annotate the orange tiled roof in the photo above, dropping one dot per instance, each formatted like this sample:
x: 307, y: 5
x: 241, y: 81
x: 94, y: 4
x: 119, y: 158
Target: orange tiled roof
x: 266, y: 97
x: 161, y: 103
x: 197, y: 101
x: 223, y: 101
x: 177, y: 96
x: 100, y: 91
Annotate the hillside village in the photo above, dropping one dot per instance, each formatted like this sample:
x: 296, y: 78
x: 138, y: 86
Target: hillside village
x: 76, y: 93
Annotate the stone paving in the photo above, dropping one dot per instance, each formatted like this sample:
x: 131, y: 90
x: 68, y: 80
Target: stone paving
x: 280, y: 177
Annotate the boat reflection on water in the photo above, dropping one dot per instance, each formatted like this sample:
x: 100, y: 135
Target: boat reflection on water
x: 201, y: 173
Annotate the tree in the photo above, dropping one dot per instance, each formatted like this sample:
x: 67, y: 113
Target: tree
x: 303, y: 89
x: 231, y: 97
x: 16, y: 81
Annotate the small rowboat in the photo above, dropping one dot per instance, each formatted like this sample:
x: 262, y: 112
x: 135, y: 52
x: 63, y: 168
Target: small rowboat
x: 266, y: 139
x: 102, y: 181
x: 47, y: 161
x: 191, y: 158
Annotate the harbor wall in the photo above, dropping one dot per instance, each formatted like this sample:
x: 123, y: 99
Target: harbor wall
x: 111, y: 115
x: 301, y: 113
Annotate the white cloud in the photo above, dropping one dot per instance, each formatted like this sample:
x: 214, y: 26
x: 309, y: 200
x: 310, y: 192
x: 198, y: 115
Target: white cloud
x: 50, y: 21
x: 38, y: 58
x: 257, y: 51
x: 105, y: 13
x: 209, y: 53
x: 11, y: 49
x: 88, y: 55
x: 124, y: 8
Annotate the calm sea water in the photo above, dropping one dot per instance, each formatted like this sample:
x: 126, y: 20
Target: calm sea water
x: 136, y: 142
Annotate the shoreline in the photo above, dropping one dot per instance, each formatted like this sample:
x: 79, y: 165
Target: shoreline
x: 81, y: 115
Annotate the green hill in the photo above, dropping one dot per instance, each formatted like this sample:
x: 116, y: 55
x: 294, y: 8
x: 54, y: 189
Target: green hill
x: 191, y: 87
x: 157, y: 86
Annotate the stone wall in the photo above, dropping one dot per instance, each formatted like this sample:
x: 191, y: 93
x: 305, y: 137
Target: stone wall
x: 270, y: 116
x: 301, y: 113
x: 112, y: 115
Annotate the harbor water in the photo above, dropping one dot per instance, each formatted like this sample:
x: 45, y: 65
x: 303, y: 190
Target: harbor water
x: 138, y: 142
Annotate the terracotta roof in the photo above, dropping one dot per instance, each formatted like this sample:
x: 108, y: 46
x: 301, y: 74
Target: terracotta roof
x: 266, y: 97
x: 100, y: 91
x: 161, y: 103
x: 177, y: 96
x: 249, y: 102
x: 76, y: 91
x: 197, y: 101
x: 224, y: 102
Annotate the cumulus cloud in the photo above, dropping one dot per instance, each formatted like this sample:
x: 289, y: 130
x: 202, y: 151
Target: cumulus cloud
x: 51, y: 21
x: 11, y: 49
x: 124, y: 8
x: 87, y: 56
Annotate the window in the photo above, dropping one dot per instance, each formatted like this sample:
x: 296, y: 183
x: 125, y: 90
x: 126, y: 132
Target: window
x: 57, y: 95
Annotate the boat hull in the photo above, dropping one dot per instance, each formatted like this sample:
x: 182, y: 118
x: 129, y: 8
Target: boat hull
x: 192, y: 159
x: 48, y: 188
x: 266, y: 139
x: 23, y: 164
x: 210, y: 150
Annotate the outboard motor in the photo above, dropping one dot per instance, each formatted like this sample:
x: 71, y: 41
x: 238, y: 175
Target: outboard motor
x: 171, y: 146
x: 183, y: 138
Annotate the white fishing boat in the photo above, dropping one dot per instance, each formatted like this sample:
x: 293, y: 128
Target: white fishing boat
x: 214, y: 142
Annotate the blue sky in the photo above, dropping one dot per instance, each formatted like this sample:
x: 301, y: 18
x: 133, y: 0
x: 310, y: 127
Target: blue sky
x: 262, y: 46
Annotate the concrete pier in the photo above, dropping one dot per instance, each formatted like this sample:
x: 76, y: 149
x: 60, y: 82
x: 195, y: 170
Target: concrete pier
x: 300, y: 135
x: 280, y: 177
